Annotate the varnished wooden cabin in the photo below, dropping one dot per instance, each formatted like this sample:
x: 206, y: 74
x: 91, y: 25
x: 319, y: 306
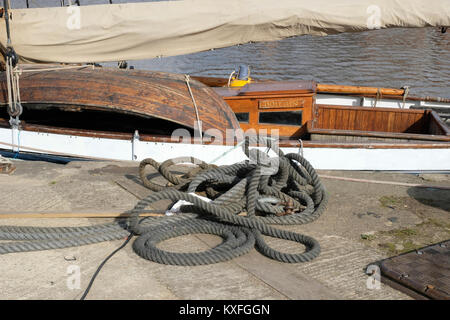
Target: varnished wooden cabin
x: 290, y: 106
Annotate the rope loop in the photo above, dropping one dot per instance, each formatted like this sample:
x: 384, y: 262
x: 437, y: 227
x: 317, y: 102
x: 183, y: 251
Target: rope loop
x: 291, y: 194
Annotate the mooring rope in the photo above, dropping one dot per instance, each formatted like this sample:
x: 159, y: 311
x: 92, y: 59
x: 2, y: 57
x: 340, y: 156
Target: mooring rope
x: 245, y: 198
x: 187, y: 78
x: 405, y: 95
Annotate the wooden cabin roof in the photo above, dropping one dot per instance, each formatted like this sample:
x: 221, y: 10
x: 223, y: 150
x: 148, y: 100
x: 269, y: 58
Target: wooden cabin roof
x: 143, y: 93
x: 268, y: 88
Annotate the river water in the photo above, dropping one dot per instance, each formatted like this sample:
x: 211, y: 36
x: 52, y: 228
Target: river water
x: 419, y: 58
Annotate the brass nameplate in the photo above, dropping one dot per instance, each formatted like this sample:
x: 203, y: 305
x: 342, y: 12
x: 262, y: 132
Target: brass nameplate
x: 281, y: 103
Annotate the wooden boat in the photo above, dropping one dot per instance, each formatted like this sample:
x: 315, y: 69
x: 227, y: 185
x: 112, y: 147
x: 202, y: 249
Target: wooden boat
x: 131, y: 115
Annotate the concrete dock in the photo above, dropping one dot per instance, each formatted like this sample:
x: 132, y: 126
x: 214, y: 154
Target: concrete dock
x: 364, y: 222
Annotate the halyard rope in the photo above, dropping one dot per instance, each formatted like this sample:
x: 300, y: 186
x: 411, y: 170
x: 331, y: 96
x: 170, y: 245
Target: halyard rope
x: 13, y: 87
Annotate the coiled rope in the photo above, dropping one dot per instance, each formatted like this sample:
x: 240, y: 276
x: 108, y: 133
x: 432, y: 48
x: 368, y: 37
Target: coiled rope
x: 244, y: 199
x: 251, y: 186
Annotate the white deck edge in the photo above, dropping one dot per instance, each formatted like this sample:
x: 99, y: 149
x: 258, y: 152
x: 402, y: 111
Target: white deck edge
x: 405, y: 159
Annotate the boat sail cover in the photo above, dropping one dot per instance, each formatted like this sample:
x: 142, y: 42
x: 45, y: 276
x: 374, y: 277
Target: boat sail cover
x: 130, y: 31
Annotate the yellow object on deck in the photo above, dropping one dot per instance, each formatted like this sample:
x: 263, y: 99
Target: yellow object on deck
x: 240, y: 77
x: 239, y: 83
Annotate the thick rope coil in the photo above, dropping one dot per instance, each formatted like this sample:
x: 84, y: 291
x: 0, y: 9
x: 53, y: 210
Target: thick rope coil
x: 239, y: 187
x: 263, y: 187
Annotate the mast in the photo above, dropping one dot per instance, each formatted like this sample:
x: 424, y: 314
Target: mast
x: 8, y: 33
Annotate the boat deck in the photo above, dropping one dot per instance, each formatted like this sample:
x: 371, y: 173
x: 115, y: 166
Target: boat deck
x: 383, y: 221
x: 362, y: 124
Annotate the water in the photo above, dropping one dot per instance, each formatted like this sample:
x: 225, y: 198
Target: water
x: 419, y: 58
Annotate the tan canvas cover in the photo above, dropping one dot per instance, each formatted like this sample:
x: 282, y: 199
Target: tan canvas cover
x: 147, y: 30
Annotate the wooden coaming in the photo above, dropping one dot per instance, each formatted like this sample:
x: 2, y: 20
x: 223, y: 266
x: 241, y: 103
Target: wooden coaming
x: 372, y: 119
x: 362, y: 124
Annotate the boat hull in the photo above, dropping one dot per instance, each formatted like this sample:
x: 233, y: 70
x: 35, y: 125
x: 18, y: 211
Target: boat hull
x: 400, y: 157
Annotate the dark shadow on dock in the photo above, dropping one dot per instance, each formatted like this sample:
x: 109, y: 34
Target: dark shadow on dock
x: 438, y: 198
x: 137, y: 179
x: 151, y: 177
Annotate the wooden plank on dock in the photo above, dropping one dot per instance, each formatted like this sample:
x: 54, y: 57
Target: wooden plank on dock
x: 282, y: 277
x: 133, y: 186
